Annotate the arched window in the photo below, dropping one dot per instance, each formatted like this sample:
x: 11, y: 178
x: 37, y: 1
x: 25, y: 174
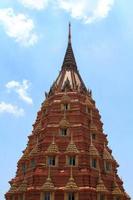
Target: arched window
x: 93, y: 136
x: 107, y: 166
x: 65, y: 106
x: 47, y: 196
x: 72, y: 160
x: 63, y: 132
x: 52, y: 160
x: 71, y: 196
x: 94, y: 163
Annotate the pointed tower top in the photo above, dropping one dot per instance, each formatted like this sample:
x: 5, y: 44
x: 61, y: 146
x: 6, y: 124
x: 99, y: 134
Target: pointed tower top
x: 69, y: 36
x: 69, y: 59
x: 69, y: 78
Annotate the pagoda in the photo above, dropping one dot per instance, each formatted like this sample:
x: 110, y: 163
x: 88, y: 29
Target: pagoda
x: 67, y: 156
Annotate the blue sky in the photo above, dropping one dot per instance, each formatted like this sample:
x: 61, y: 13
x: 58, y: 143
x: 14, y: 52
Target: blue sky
x: 33, y: 39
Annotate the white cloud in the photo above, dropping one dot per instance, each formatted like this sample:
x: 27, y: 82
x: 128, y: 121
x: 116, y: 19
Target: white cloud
x: 12, y: 109
x: 87, y: 10
x: 35, y: 4
x: 18, y: 26
x: 20, y: 89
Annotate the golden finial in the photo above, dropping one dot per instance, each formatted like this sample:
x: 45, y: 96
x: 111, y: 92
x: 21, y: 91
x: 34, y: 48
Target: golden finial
x: 71, y: 138
x: 71, y: 173
x: 64, y: 114
x: 53, y: 142
x: 49, y: 173
x: 99, y: 176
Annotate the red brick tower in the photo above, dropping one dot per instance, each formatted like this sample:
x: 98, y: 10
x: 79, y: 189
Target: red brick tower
x: 67, y: 157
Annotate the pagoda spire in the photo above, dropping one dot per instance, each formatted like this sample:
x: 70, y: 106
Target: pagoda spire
x: 67, y: 147
x: 69, y: 78
x: 69, y: 36
x: 69, y: 59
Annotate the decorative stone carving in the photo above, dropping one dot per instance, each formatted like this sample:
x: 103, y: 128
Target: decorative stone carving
x: 23, y: 186
x: 64, y: 123
x: 53, y: 148
x: 100, y: 186
x: 106, y: 154
x: 13, y: 188
x: 93, y: 150
x: 65, y: 98
x: 71, y: 148
x: 71, y: 185
x: 48, y: 185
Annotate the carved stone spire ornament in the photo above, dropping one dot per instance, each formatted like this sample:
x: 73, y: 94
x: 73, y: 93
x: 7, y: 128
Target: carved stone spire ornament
x: 53, y: 148
x: 92, y: 149
x: 71, y: 148
x: 116, y: 189
x: 71, y: 185
x: 48, y: 185
x: 100, y: 185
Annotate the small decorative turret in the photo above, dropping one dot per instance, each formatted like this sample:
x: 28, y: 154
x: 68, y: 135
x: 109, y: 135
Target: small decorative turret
x: 116, y: 189
x: 53, y: 148
x: 71, y: 185
x: 23, y: 186
x: 92, y: 149
x: 71, y: 148
x: 93, y: 127
x: 100, y: 185
x: 65, y: 98
x: 64, y: 123
x: 106, y: 154
x: 13, y: 188
x: 34, y: 151
x: 48, y: 185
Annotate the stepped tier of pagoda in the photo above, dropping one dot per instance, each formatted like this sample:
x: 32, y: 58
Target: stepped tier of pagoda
x: 67, y: 156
